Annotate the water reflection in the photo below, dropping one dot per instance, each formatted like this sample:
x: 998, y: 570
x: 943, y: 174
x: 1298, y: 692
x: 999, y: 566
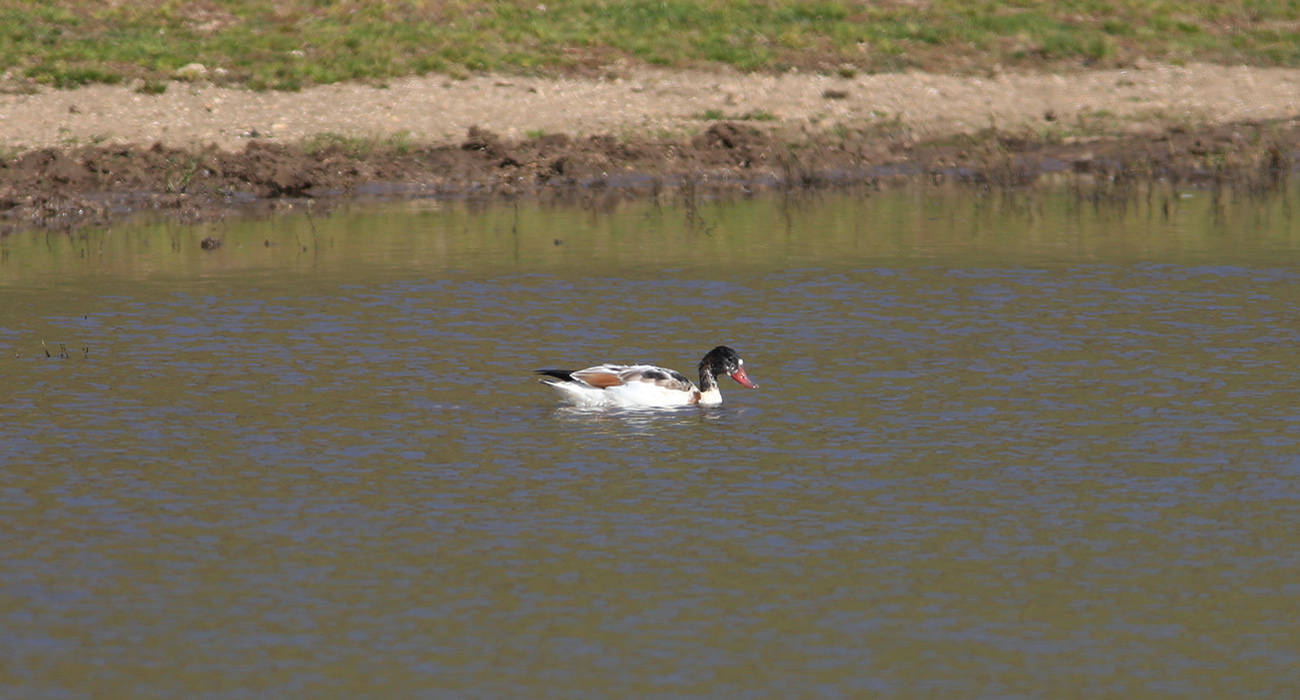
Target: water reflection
x: 1000, y: 450
x: 646, y: 422
x: 640, y: 240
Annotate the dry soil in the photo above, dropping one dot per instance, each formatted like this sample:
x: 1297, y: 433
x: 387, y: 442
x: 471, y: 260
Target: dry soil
x: 79, y: 156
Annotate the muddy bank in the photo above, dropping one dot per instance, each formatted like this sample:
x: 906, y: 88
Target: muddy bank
x: 72, y: 187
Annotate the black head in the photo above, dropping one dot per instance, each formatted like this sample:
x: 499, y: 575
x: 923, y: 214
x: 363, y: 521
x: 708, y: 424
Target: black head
x: 721, y: 360
x: 724, y: 360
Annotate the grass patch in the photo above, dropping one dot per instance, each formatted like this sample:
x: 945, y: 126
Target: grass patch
x: 1093, y: 122
x: 755, y: 115
x: 151, y: 86
x: 399, y: 143
x: 290, y: 44
x: 341, y: 143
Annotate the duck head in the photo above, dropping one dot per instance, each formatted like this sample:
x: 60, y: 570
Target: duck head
x: 724, y: 360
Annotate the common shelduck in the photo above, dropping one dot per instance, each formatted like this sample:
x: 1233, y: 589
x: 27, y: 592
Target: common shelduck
x: 646, y: 385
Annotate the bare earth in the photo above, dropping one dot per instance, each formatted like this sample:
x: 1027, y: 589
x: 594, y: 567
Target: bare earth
x: 647, y: 102
x: 81, y: 157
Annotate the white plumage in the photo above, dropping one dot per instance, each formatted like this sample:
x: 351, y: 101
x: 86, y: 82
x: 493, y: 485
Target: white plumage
x: 647, y: 386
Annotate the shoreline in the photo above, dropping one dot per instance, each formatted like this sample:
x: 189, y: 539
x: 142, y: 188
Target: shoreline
x: 647, y: 102
x: 88, y: 156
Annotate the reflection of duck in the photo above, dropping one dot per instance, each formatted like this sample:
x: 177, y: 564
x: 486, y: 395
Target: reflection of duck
x: 647, y: 385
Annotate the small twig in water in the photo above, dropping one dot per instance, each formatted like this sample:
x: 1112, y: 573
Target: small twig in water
x: 311, y: 206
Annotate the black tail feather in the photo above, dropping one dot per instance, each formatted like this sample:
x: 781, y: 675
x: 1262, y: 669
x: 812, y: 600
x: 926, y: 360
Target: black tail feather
x: 561, y: 374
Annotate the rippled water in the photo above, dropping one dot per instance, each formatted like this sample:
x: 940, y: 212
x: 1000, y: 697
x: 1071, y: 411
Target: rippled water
x: 1004, y: 447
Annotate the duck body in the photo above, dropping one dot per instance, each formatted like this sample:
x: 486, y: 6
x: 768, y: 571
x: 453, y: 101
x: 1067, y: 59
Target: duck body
x: 647, y: 386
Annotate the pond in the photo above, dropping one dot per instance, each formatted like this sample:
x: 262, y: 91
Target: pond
x: 1005, y: 445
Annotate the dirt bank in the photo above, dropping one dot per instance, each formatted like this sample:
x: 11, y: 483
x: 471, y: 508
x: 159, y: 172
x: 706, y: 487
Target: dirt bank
x: 84, y: 156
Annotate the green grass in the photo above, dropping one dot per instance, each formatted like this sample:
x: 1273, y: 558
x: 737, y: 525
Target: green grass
x: 288, y: 44
x: 152, y: 86
x: 331, y: 141
x: 755, y: 115
x: 399, y: 143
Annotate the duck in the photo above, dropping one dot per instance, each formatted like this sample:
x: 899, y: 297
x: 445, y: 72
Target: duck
x: 647, y: 386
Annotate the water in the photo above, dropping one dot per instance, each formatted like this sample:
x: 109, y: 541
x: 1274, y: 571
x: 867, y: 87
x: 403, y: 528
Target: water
x: 1005, y: 447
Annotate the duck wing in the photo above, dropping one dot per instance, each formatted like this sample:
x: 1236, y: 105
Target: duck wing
x: 666, y: 379
x: 611, y: 376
